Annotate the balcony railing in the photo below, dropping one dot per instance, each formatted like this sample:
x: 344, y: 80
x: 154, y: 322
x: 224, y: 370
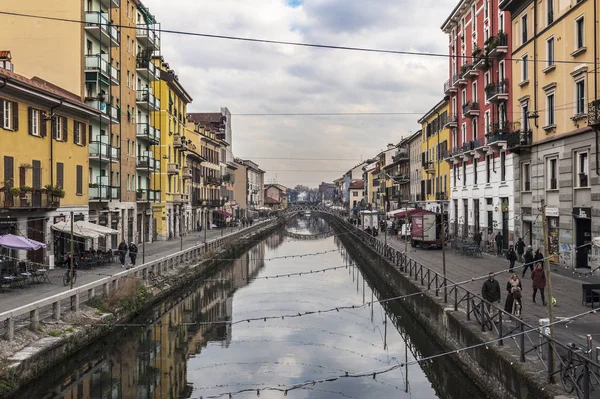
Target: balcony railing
x: 451, y: 121
x: 172, y: 168
x: 441, y: 196
x: 107, y: 111
x: 100, y: 64
x: 594, y: 114
x: 471, y: 109
x: 145, y: 162
x: 449, y: 87
x: 103, y: 151
x: 146, y: 99
x: 147, y: 69
x: 497, y: 92
x: 145, y: 195
x: 147, y: 35
x: 401, y: 156
x: 497, y: 45
x: 187, y: 172
x: 518, y: 141
x: 101, y: 192
x: 147, y: 132
x: 29, y: 200
x: 98, y: 24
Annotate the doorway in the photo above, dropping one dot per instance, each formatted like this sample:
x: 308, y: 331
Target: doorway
x: 583, y: 236
x: 527, y: 233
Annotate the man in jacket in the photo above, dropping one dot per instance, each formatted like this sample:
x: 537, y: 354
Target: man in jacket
x: 122, y: 252
x: 499, y: 243
x: 520, y: 247
x: 511, y: 255
x: 490, y: 291
x: 133, y: 253
x: 528, y: 260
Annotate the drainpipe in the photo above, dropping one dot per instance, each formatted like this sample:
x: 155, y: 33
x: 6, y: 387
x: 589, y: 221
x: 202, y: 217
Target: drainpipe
x: 4, y: 83
x: 52, y: 142
x: 596, y: 83
x: 535, y: 81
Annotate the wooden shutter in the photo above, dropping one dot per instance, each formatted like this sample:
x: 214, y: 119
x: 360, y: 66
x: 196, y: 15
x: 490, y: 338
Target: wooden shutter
x: 9, y: 173
x: 2, y: 114
x: 79, y: 188
x: 75, y: 132
x: 37, y: 174
x: 54, y: 120
x: 15, y: 109
x: 83, y: 134
x: 65, y: 129
x: 22, y: 177
x: 42, y: 124
x: 60, y: 175
x: 29, y: 119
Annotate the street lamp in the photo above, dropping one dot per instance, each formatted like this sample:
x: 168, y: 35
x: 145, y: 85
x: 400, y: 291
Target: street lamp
x: 205, y: 220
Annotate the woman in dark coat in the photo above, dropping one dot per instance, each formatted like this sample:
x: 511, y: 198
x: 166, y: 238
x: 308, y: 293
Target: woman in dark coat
x: 539, y: 282
x: 514, y: 288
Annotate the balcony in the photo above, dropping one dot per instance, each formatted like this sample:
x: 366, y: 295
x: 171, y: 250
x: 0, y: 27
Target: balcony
x: 187, y: 173
x: 401, y: 179
x: 461, y: 80
x: 441, y: 196
x: 97, y: 24
x: 471, y: 110
x: 146, y: 132
x: 102, y: 193
x: 111, y: 3
x: 497, y: 45
x: 429, y: 167
x: 481, y: 62
x: 401, y: 156
x: 212, y: 181
x: 180, y: 142
x: 147, y: 69
x: 98, y: 64
x: 519, y: 141
x: 108, y: 113
x: 449, y: 88
x: 497, y: 92
x: 594, y: 114
x: 451, y: 121
x: 29, y: 200
x: 104, y: 152
x: 147, y: 36
x: 180, y: 198
x: 146, y: 100
x: 145, y: 195
x: 172, y: 169
x: 146, y: 163
x: 468, y: 71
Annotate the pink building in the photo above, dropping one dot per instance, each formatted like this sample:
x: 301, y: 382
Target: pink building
x: 480, y: 119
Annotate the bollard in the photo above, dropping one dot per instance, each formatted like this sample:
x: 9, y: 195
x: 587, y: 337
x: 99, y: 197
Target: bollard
x: 56, y: 310
x: 34, y: 315
x: 10, y: 329
x: 455, y: 299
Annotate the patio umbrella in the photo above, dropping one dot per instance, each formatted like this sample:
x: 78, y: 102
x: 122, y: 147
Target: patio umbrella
x: 11, y: 241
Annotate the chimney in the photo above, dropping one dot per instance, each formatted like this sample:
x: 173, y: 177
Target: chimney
x: 6, y: 61
x: 390, y: 146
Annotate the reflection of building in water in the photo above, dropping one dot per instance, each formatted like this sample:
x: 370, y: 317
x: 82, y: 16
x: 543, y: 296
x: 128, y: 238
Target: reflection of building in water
x: 153, y: 363
x: 275, y: 240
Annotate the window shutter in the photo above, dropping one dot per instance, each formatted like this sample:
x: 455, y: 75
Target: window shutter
x: 29, y: 119
x: 8, y: 171
x: 22, y: 177
x: 54, y: 120
x: 75, y: 132
x: 60, y: 175
x: 15, y: 109
x: 79, y: 179
x: 1, y: 113
x: 42, y: 124
x: 65, y: 129
x: 37, y: 174
x: 83, y: 134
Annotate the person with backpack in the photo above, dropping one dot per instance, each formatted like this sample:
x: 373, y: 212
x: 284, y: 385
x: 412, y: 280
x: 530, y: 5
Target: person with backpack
x: 511, y: 255
x: 133, y: 253
x: 122, y: 252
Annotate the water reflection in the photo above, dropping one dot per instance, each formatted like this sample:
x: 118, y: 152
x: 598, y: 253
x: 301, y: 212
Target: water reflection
x: 175, y: 356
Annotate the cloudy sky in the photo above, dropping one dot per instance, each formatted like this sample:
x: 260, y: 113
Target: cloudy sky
x: 251, y: 78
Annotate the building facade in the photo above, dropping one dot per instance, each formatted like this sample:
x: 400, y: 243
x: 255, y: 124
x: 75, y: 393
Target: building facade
x: 482, y: 194
x: 556, y: 103
x: 44, y: 133
x: 415, y: 149
x: 435, y: 178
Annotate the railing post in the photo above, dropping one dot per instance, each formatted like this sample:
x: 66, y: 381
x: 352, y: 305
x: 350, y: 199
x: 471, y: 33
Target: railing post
x: 483, y: 315
x: 56, y: 310
x: 10, y: 329
x: 468, y: 305
x: 522, y: 341
x: 445, y: 290
x: 500, y: 328
x: 437, y: 288
x: 422, y: 275
x: 455, y: 298
x: 34, y: 315
x: 586, y: 379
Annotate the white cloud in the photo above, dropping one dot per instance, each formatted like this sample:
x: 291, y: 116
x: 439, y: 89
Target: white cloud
x: 268, y: 78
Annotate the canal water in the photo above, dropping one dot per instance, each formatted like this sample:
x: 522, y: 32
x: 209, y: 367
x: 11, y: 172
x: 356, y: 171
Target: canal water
x: 203, y: 346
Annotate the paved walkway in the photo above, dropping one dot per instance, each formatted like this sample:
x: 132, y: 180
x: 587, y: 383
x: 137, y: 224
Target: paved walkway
x: 17, y: 297
x: 566, y: 290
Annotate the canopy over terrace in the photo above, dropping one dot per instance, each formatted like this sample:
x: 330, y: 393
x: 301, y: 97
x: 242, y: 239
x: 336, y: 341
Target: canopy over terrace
x: 11, y: 241
x: 83, y: 229
x: 411, y: 212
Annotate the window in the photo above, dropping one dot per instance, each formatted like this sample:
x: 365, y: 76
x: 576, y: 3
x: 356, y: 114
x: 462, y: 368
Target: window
x: 501, y: 21
x: 127, y: 43
x: 550, y: 11
x: 37, y: 126
x: 524, y: 29
x: 475, y: 171
x: 59, y: 130
x: 526, y: 177
x: 580, y: 97
x: 79, y: 182
x: 486, y: 9
x: 550, y: 120
x: 475, y: 121
x: 486, y: 122
x: 474, y: 92
x: 582, y: 177
x: 79, y: 133
x: 503, y: 166
x: 464, y: 134
x: 454, y: 169
x: 524, y: 70
x: 474, y: 19
x: 525, y: 116
x: 9, y: 115
x: 550, y: 51
x: 60, y: 175
x: 552, y: 173
x: 579, y: 33
x: 355, y: 194
x: 464, y: 170
x: 486, y: 82
x: 487, y: 169
x: 464, y: 97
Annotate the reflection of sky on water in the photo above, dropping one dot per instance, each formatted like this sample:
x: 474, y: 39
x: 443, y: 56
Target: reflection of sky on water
x: 293, y: 350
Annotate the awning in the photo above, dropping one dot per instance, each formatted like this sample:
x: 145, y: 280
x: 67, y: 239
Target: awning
x: 96, y: 227
x: 220, y: 212
x: 78, y: 230
x: 11, y: 241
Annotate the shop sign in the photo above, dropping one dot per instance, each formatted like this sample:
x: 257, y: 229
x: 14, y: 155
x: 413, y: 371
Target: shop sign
x: 582, y: 213
x: 552, y: 212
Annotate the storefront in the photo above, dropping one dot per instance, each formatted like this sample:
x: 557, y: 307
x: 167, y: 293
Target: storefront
x: 583, y: 235
x: 553, y: 233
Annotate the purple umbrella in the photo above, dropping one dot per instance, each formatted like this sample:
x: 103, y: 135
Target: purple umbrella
x: 12, y: 241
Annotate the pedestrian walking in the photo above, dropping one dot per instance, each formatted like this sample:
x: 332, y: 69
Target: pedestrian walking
x: 538, y: 275
x: 520, y: 247
x: 477, y: 238
x: 123, y: 252
x: 528, y: 260
x: 513, y: 304
x: 511, y: 255
x: 133, y: 253
x: 499, y: 243
x: 490, y: 291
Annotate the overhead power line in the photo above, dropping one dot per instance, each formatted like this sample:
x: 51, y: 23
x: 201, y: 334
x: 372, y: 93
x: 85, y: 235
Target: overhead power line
x: 291, y: 43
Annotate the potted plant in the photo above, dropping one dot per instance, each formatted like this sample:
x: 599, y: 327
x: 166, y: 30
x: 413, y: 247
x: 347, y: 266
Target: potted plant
x: 476, y: 52
x: 93, y: 185
x: 59, y: 192
x: 15, y: 191
x: 25, y: 189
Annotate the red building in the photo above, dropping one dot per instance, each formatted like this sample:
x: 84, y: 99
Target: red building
x: 480, y: 118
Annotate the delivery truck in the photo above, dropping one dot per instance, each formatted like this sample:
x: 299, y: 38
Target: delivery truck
x: 426, y: 229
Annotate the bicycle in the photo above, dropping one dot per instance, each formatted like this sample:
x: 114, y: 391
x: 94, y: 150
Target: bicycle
x: 67, y: 277
x: 572, y: 375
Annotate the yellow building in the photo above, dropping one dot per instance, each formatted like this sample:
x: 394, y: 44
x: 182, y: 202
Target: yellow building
x: 435, y: 172
x: 554, y: 99
x: 171, y: 213
x: 44, y: 140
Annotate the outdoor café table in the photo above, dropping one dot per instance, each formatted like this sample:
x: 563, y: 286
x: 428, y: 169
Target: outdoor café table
x: 26, y: 277
x: 41, y: 275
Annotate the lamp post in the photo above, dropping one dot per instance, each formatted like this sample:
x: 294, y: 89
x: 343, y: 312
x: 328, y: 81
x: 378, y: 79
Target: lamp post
x: 205, y: 218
